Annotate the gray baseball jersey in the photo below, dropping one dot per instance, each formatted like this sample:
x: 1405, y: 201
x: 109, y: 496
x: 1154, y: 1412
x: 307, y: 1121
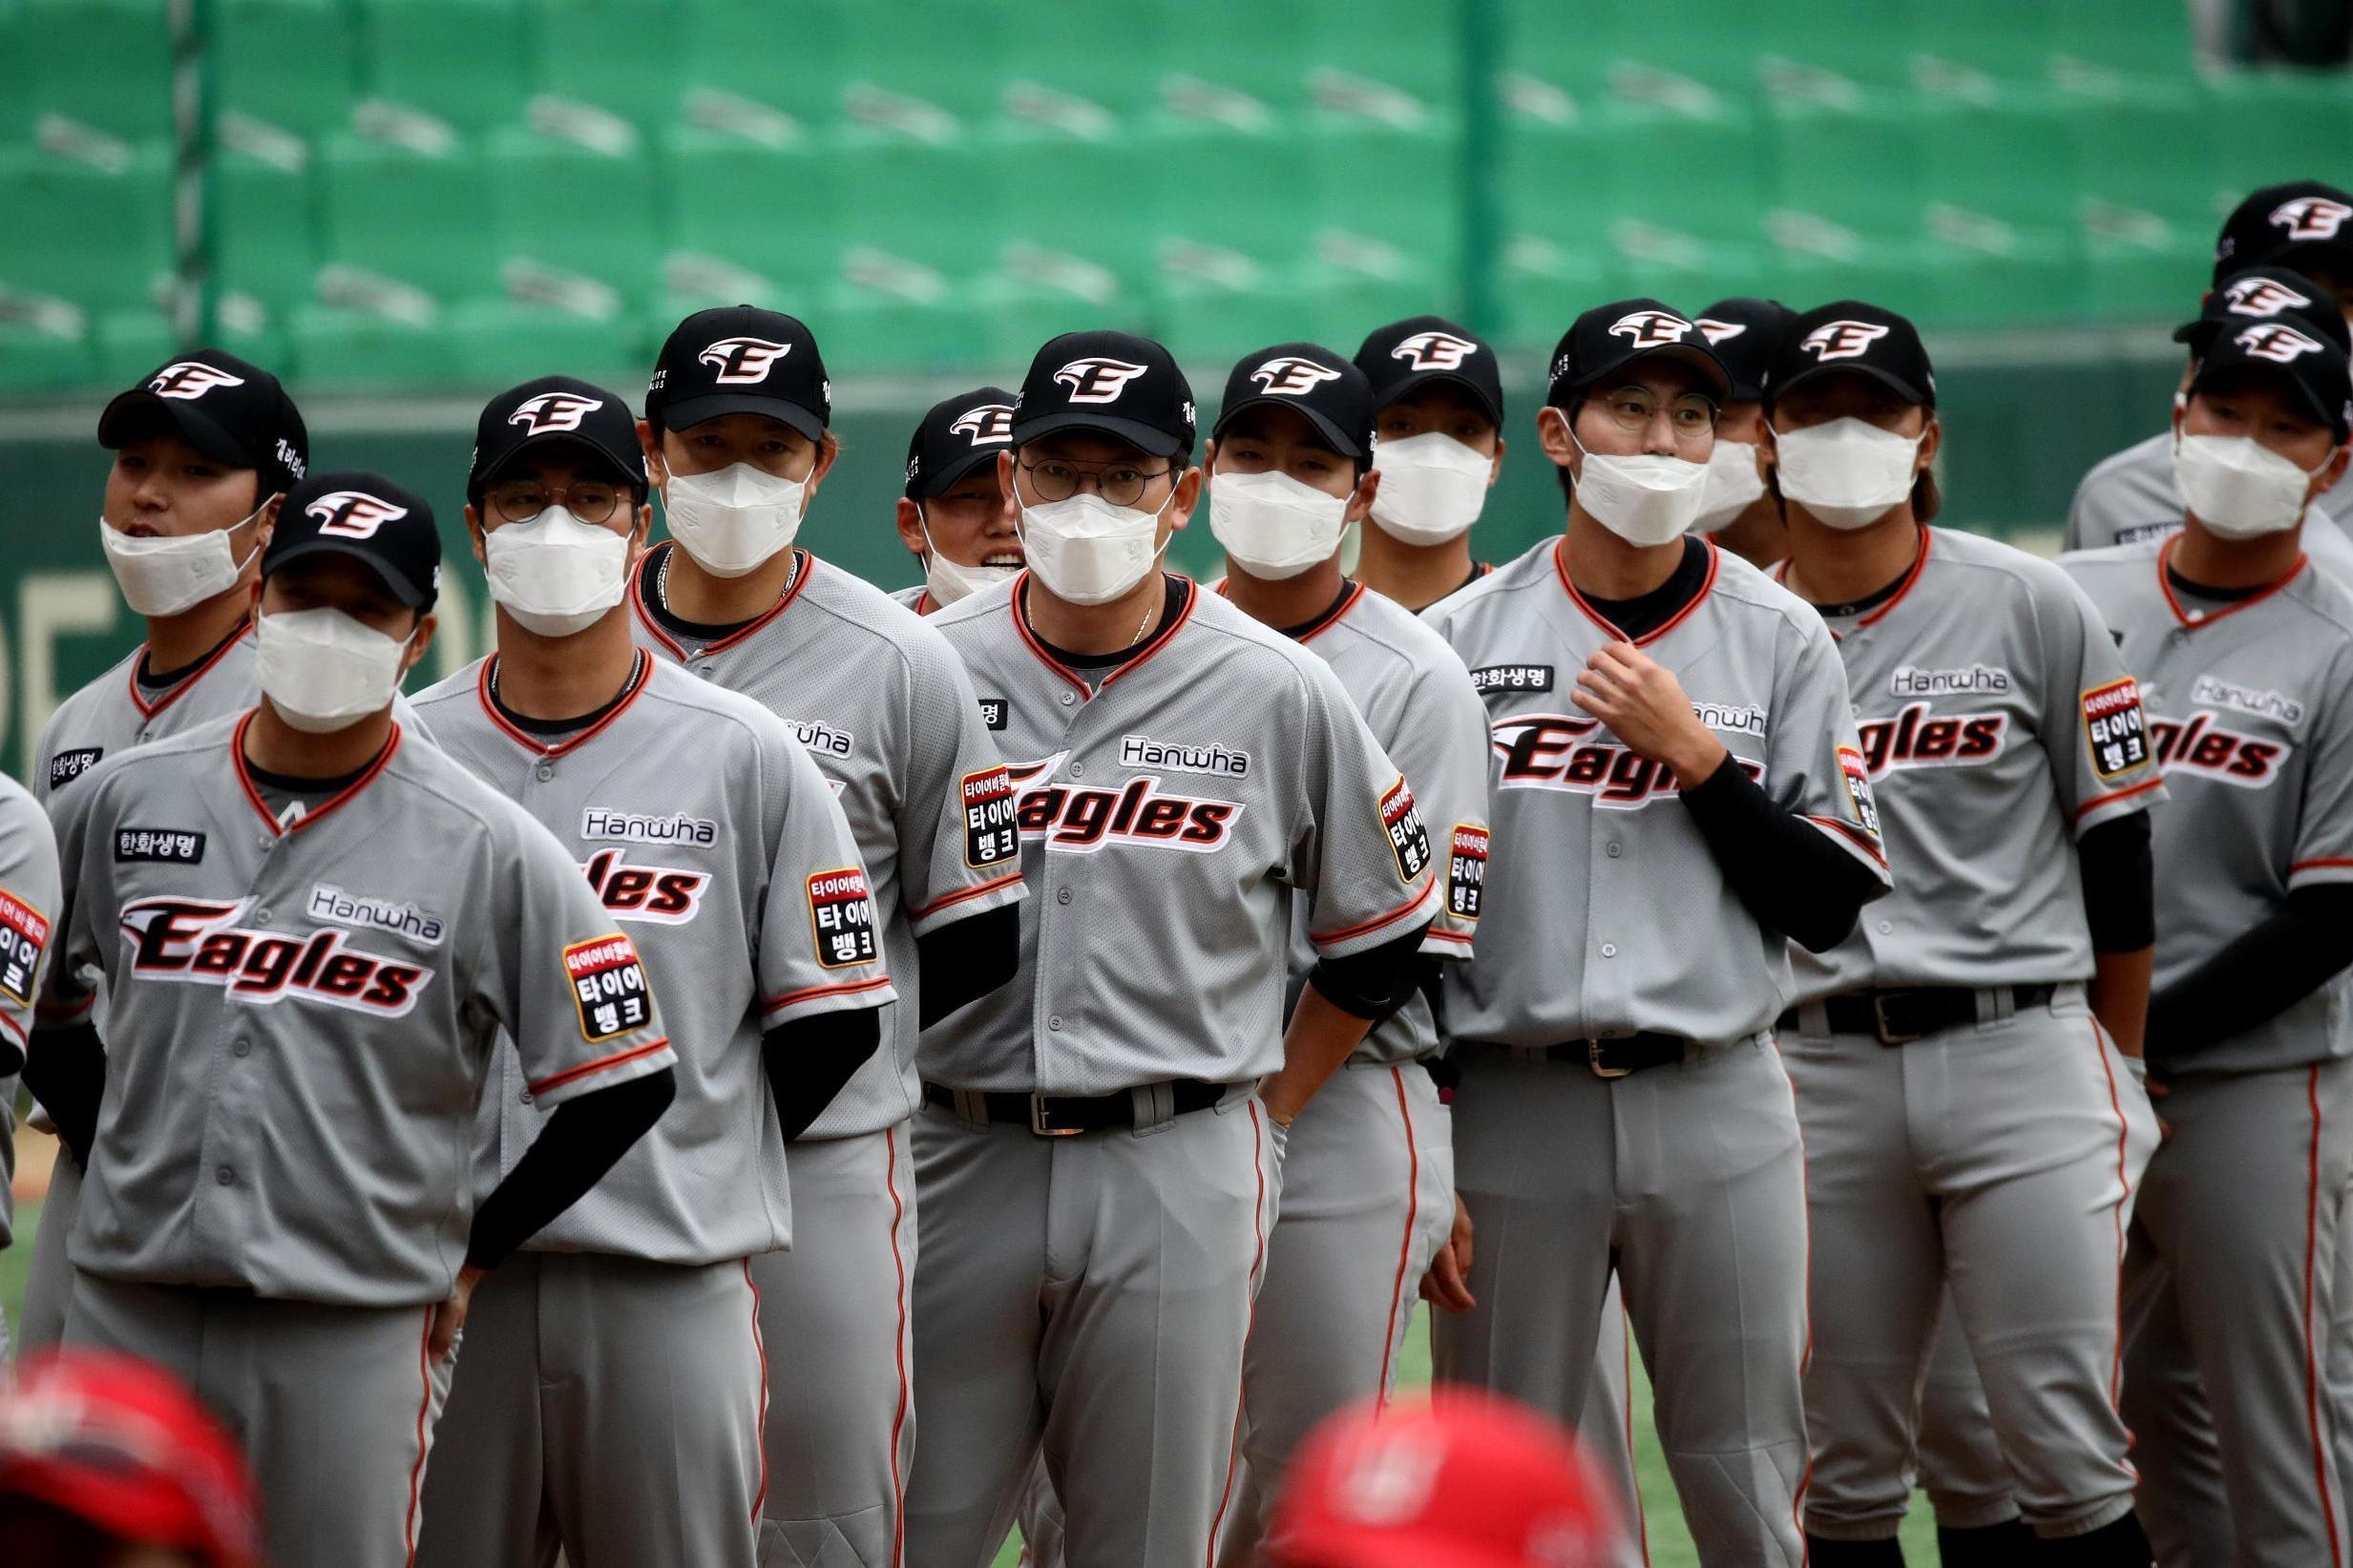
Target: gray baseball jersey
x: 116, y: 712
x: 29, y: 904
x: 301, y: 1016
x: 887, y: 712
x: 1604, y: 893
x: 1171, y: 825
x: 740, y: 882
x: 918, y: 599
x: 2251, y: 717
x: 2128, y: 497
x: 1998, y: 724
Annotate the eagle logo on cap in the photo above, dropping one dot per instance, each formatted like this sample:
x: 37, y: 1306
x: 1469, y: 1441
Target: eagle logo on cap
x: 1097, y: 379
x: 1841, y: 339
x: 552, y: 412
x: 353, y: 513
x: 987, y: 425
x: 1435, y: 351
x: 1716, y: 331
x: 190, y: 380
x: 2260, y: 296
x: 1288, y: 375
x: 2310, y: 218
x: 2276, y: 342
x: 742, y: 362
x: 1651, y: 328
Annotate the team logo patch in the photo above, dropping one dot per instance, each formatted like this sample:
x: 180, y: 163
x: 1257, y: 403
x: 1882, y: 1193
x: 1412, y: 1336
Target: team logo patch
x: 1288, y: 375
x: 1467, y: 872
x: 68, y: 766
x: 1577, y: 756
x: 599, y: 822
x: 1841, y: 339
x: 992, y: 711
x: 24, y: 937
x: 841, y: 913
x: 742, y: 362
x: 163, y: 846
x: 1435, y: 351
x: 1512, y: 677
x: 2205, y: 749
x: 989, y: 425
x: 2260, y: 296
x: 820, y: 738
x: 992, y: 836
x: 608, y: 987
x: 1716, y: 332
x: 1097, y: 379
x: 2310, y: 218
x: 353, y: 513
x: 654, y: 895
x: 1862, y: 805
x: 2276, y: 342
x: 385, y: 914
x: 188, y: 380
x: 1080, y: 822
x: 1916, y: 739
x: 1143, y: 751
x: 1651, y: 328
x: 2115, y: 728
x: 189, y: 941
x: 1975, y: 680
x: 2264, y: 704
x: 552, y: 412
x: 1401, y: 817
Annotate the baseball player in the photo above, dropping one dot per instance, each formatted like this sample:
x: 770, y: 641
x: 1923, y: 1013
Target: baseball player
x: 742, y: 886
x: 2246, y: 657
x: 1965, y: 1060
x: 1439, y: 416
x: 1679, y: 792
x: 736, y: 439
x: 203, y: 448
x: 311, y: 930
x: 2305, y: 227
x: 1746, y: 334
x: 1099, y: 1158
x: 28, y: 914
x: 953, y: 518
x: 1368, y: 1189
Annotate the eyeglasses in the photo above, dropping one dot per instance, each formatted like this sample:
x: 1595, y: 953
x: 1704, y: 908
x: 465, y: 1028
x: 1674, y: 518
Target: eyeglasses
x: 1122, y: 484
x: 520, y: 500
x: 1633, y: 408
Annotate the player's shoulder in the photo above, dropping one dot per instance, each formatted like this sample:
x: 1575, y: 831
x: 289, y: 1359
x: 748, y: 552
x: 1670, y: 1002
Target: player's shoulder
x: 2324, y: 598
x: 682, y: 705
x: 1741, y: 592
x: 1976, y: 563
x: 1498, y: 592
x: 458, y: 685
x: 1224, y: 629
x: 18, y: 809
x: 908, y: 597
x: 169, y: 764
x: 1379, y: 622
x: 871, y: 623
x: 92, y: 698
x: 2106, y: 568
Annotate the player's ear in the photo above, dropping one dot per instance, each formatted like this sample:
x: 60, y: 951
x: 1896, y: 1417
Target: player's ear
x: 1495, y: 468
x: 1184, y: 498
x: 651, y: 445
x: 642, y: 530
x: 473, y: 535
x: 264, y: 526
x: 828, y: 449
x: 2331, y: 472
x: 1553, y: 436
x: 1931, y: 439
x: 419, y: 640
x: 1360, y: 504
x: 911, y: 527
x: 1005, y: 466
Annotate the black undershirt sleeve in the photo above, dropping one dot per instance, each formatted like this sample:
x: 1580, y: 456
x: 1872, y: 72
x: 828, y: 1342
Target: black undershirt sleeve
x: 583, y: 1139
x: 1787, y: 872
x: 2119, y: 884
x: 65, y: 1069
x: 966, y: 959
x: 2263, y: 974
x: 1376, y: 982
x: 810, y: 1059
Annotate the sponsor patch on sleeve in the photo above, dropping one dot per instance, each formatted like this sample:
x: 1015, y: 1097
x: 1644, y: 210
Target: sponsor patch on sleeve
x: 169, y: 845
x: 24, y: 934
x: 1857, y: 772
x: 2116, y: 727
x: 992, y: 835
x: 1466, y: 873
x: 68, y: 766
x: 841, y: 913
x: 1408, y: 839
x: 608, y: 987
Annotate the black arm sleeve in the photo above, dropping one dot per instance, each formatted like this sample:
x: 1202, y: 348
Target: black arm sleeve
x: 2259, y: 975
x: 966, y: 959
x: 1791, y: 877
x: 2120, y: 902
x: 1374, y: 983
x: 583, y: 1139
x: 809, y: 1059
x: 66, y: 1071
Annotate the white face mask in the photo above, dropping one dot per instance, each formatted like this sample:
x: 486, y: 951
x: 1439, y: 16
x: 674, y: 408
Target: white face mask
x: 554, y: 573
x: 322, y: 671
x: 162, y: 576
x: 1643, y: 499
x: 1085, y: 549
x: 948, y: 581
x: 1848, y: 473
x: 732, y: 521
x: 1274, y: 526
x: 1732, y: 486
x: 2237, y: 487
x: 1432, y: 487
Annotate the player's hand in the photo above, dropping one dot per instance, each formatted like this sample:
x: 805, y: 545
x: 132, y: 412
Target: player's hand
x: 449, y: 1317
x: 1447, y: 1285
x: 1644, y: 705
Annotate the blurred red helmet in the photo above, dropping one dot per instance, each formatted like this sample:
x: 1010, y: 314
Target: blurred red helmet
x: 121, y: 1446
x: 1470, y: 1481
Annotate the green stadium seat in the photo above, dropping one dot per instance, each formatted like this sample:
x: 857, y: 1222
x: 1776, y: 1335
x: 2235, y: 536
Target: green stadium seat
x: 128, y: 344
x: 621, y: 55
x: 902, y: 320
x: 2007, y: 40
x: 1215, y: 306
x: 575, y: 208
x: 1563, y: 48
x: 264, y: 229
x: 106, y: 63
x: 1409, y: 45
x: 1344, y: 300
x: 497, y: 343
x: 2014, y: 158
x: 1904, y: 274
x: 1109, y: 52
x: 1017, y: 313
x: 1857, y: 167
x: 1272, y: 66
x: 35, y: 360
x: 1545, y: 285
x: 1864, y: 42
x: 1388, y: 182
x: 770, y: 210
x: 1685, y: 272
x: 1220, y: 186
x: 2150, y: 152
x: 461, y: 60
x: 255, y: 45
x: 2277, y: 125
x: 746, y: 48
x: 1716, y: 43
x: 2148, y: 38
x: 2025, y: 277
x: 1094, y: 198
x: 85, y: 231
x: 330, y: 346
x: 939, y: 204
x: 1694, y: 174
x: 2153, y: 274
x: 1552, y: 183
x: 423, y: 220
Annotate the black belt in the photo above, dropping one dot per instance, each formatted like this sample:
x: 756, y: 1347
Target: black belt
x: 1066, y: 1116
x: 1615, y: 1058
x: 1899, y: 1017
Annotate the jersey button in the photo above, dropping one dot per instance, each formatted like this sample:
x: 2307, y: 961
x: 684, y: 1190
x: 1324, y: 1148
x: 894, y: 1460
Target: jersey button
x: 262, y: 915
x: 544, y: 772
x: 266, y: 842
x: 1609, y: 949
x: 1069, y: 698
x: 227, y: 1177
x: 706, y: 672
x: 1055, y: 1021
x: 527, y: 1096
x: 1886, y: 925
x: 1062, y: 897
x: 1077, y: 771
x: 241, y: 1048
x: 1614, y: 850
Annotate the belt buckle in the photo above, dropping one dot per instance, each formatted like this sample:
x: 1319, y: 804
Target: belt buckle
x: 1889, y: 1033
x: 1041, y: 1127
x: 1593, y: 1060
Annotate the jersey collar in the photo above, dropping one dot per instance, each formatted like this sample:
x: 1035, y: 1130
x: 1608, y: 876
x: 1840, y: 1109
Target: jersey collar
x: 1878, y: 612
x: 187, y: 682
x: 1332, y: 617
x: 1585, y: 607
x: 640, y: 674
x: 260, y: 807
x: 1019, y: 600
x: 2191, y: 621
x: 650, y: 563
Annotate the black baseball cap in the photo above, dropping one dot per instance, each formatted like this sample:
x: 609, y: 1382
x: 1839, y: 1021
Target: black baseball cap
x: 231, y: 412
x: 1330, y: 393
x: 2265, y: 293
x: 1610, y: 337
x: 1848, y: 335
x: 1406, y: 356
x: 2314, y: 364
x: 551, y: 410
x: 956, y: 436
x: 1114, y: 383
x: 2303, y: 218
x: 1746, y: 335
x: 740, y: 358
x: 368, y: 518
